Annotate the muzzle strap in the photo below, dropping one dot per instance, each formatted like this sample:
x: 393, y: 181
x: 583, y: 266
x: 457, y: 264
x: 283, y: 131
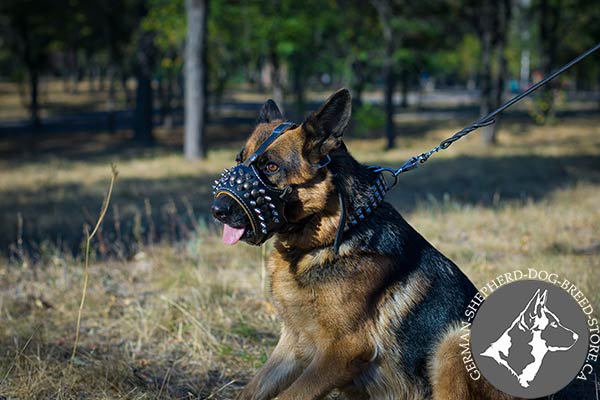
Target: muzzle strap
x: 279, y: 129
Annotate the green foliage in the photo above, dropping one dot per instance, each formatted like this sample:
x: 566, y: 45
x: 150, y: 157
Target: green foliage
x: 462, y: 61
x: 542, y: 107
x: 368, y: 119
x: 167, y: 19
x: 341, y: 38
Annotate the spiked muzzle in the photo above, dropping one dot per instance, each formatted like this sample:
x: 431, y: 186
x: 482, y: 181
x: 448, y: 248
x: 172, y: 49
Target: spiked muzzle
x: 262, y: 202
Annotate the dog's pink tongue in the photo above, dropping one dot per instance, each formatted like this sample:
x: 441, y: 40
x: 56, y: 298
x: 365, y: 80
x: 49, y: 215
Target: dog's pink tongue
x: 232, y: 235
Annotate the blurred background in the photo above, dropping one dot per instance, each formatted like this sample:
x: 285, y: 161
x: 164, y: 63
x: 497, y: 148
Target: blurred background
x: 168, y: 90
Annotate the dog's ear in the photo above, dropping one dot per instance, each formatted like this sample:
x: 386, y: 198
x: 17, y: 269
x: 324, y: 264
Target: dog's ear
x: 269, y: 112
x: 324, y: 128
x: 530, y: 312
x: 540, y: 303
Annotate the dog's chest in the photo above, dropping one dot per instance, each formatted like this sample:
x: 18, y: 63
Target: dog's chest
x: 320, y: 298
x: 298, y: 305
x: 311, y: 297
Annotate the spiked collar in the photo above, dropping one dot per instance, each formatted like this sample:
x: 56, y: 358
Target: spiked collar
x: 359, y: 211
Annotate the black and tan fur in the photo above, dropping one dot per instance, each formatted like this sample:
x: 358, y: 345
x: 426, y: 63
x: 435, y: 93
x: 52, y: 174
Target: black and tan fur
x: 378, y: 321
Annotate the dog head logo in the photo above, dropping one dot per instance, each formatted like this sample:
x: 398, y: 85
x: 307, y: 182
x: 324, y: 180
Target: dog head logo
x: 541, y: 330
x: 280, y: 180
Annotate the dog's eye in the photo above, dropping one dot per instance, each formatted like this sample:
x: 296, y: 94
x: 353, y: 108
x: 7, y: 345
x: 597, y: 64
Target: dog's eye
x: 271, y: 168
x: 554, y: 325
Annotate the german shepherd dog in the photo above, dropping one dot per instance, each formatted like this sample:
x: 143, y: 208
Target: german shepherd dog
x: 376, y: 319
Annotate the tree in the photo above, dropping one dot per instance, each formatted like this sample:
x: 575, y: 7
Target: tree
x: 491, y: 20
x: 565, y: 29
x: 411, y: 32
x: 30, y: 28
x: 195, y: 79
x: 113, y: 24
x: 383, y: 8
x: 145, y: 58
x: 290, y: 36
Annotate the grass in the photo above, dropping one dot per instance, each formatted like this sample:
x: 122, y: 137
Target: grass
x: 179, y: 315
x: 54, y: 99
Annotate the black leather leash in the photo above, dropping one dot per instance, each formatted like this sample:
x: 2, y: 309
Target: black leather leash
x: 487, y: 120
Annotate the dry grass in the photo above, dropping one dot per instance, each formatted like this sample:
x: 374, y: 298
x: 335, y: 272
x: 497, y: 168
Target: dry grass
x: 189, y: 319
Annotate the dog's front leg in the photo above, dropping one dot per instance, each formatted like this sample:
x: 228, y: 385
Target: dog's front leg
x: 329, y: 369
x: 280, y: 370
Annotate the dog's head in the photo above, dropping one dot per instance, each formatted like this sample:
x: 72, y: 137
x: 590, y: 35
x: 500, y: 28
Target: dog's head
x: 537, y: 317
x: 293, y: 164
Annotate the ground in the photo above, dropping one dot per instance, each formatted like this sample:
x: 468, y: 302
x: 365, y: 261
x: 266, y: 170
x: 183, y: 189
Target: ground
x: 173, y: 313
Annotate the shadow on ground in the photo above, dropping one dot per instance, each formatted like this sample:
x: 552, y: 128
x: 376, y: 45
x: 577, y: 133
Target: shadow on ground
x: 149, y: 210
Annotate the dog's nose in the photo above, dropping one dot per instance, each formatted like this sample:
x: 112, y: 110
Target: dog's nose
x: 575, y: 336
x: 220, y: 208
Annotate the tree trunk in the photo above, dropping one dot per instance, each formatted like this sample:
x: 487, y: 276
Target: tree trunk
x: 358, y: 83
x: 503, y: 15
x: 549, y: 16
x: 194, y: 145
x: 404, y: 103
x: 161, y: 100
x: 298, y: 83
x: 168, y: 121
x: 276, y: 83
x: 488, y: 133
x: 143, y: 102
x: 384, y: 14
x: 127, y: 93
x: 390, y: 85
x: 34, y: 106
x: 34, y: 80
x: 144, y: 105
x: 111, y: 101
